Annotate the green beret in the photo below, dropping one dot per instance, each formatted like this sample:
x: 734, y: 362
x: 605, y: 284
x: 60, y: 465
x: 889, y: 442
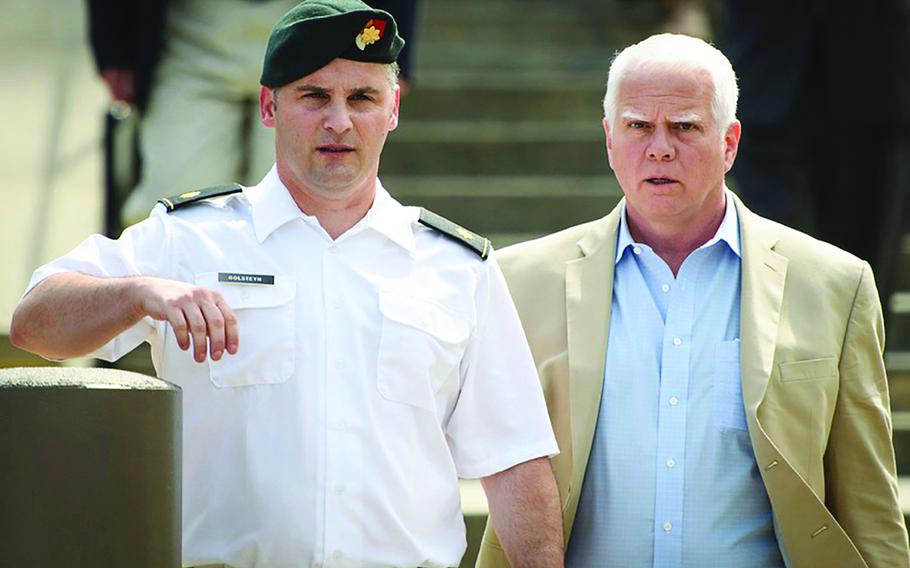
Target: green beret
x: 315, y: 32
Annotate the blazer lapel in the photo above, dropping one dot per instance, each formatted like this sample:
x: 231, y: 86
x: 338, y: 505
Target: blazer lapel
x: 589, y: 296
x: 764, y: 273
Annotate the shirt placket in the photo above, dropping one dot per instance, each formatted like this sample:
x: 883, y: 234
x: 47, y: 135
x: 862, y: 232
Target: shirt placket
x: 672, y: 410
x: 338, y: 532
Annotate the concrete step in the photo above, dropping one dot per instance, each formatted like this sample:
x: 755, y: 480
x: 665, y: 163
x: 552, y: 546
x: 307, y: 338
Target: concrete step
x: 533, y: 13
x: 512, y: 206
x: 515, y: 95
x: 901, y: 424
x: 904, y: 494
x: 493, y: 56
x: 451, y: 147
x: 513, y: 27
x: 524, y: 18
x: 898, y: 381
x: 499, y: 131
x: 495, y: 158
x: 527, y: 82
x: 574, y: 29
x: 898, y: 324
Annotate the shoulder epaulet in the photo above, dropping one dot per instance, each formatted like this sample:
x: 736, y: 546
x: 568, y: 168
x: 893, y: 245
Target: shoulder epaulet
x: 475, y: 242
x: 177, y: 201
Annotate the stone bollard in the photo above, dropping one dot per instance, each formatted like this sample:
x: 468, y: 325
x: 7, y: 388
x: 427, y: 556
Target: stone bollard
x: 90, y: 471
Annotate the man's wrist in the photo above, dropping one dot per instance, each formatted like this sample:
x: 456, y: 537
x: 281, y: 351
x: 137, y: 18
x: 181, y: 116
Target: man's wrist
x: 133, y: 291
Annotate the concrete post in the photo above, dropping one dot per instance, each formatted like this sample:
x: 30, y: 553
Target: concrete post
x: 90, y: 469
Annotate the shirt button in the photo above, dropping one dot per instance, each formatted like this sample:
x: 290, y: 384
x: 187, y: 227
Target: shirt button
x: 636, y: 250
x: 677, y: 341
x: 665, y: 287
x: 668, y: 527
x: 338, y: 555
x: 671, y: 463
x: 339, y: 490
x: 673, y: 401
x: 339, y: 365
x: 341, y: 425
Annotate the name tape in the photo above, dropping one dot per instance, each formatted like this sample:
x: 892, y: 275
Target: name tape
x: 238, y: 278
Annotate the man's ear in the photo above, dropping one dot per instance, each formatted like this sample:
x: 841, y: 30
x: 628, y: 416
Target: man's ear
x: 267, y: 98
x: 393, y: 120
x: 609, y: 141
x: 731, y: 143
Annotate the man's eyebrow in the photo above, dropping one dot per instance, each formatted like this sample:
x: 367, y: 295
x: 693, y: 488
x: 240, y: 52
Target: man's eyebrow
x: 632, y: 115
x: 363, y: 91
x: 309, y: 88
x: 687, y: 117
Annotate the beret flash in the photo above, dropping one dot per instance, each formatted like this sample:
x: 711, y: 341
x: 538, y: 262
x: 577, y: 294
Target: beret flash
x: 313, y: 33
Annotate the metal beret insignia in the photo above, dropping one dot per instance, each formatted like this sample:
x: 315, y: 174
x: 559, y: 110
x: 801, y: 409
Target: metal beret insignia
x: 370, y: 34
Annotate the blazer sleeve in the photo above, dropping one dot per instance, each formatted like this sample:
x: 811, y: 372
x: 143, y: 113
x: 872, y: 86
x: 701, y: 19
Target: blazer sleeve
x: 861, y: 482
x: 109, y: 30
x: 128, y: 35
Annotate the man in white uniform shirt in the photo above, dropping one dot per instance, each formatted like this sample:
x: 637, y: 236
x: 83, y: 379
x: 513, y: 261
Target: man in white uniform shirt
x: 351, y: 357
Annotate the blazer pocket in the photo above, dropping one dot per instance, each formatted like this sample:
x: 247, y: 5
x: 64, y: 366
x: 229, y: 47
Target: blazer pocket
x: 808, y: 370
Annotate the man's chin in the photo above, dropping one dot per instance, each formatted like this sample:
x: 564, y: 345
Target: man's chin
x: 339, y: 181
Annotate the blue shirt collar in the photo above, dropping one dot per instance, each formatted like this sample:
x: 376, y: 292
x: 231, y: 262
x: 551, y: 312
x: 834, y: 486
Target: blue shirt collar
x: 728, y: 231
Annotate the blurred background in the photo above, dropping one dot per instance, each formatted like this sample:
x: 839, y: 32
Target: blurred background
x: 500, y: 128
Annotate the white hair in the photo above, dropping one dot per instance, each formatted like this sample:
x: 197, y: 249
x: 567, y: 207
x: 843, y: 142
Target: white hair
x: 680, y: 51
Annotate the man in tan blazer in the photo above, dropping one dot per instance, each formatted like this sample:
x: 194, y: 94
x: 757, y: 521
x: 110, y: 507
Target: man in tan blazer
x: 812, y: 390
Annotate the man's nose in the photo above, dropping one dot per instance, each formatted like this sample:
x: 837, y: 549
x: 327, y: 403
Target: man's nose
x: 338, y: 118
x: 661, y: 147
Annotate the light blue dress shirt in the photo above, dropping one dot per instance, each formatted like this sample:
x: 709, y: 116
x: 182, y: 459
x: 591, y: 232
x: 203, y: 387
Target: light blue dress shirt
x: 672, y: 479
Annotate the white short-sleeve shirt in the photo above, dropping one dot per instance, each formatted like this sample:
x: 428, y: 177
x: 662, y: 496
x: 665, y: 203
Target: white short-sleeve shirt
x: 372, y: 372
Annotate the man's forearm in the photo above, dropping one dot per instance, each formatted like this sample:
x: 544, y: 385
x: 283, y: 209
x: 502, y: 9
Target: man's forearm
x: 69, y: 315
x: 526, y: 514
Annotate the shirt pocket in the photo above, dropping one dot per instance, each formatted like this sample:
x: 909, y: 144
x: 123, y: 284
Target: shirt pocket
x: 265, y: 319
x: 420, y: 348
x: 729, y: 409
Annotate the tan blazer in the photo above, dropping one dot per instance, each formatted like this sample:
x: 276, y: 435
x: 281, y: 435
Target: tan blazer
x: 814, y: 383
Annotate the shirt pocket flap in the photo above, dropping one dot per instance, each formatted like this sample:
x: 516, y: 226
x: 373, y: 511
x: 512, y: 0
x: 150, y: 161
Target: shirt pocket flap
x: 808, y: 370
x: 425, y: 315
x: 243, y: 296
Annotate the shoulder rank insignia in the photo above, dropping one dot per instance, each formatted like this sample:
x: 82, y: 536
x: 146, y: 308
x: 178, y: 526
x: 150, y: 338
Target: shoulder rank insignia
x: 177, y: 201
x: 478, y: 244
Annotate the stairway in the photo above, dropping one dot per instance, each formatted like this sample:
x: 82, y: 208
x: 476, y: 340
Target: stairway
x: 503, y: 130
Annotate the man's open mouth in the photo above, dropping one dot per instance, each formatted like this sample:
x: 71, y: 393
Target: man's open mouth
x: 335, y: 149
x: 660, y: 180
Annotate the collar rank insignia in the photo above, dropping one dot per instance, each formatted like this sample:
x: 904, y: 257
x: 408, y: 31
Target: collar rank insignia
x: 371, y: 33
x: 175, y: 202
x: 456, y: 232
